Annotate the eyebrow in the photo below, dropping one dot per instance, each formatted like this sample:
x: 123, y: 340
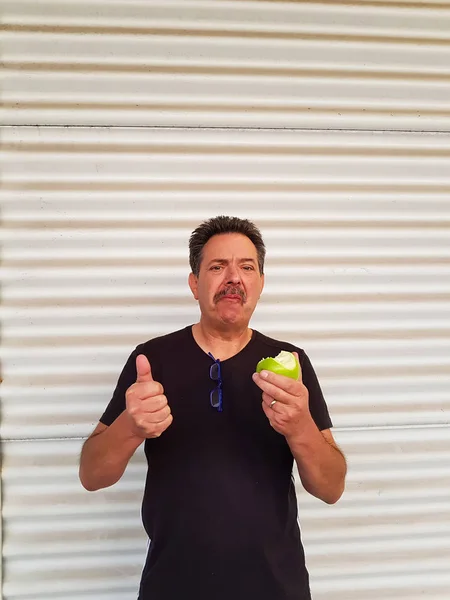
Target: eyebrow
x: 224, y: 261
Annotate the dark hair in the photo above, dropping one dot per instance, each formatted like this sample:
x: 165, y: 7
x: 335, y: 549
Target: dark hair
x: 217, y: 226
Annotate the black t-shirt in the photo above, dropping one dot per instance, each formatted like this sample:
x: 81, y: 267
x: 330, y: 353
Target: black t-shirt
x: 219, y: 504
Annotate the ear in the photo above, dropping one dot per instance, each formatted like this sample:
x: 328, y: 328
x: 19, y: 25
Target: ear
x: 262, y: 285
x: 193, y: 284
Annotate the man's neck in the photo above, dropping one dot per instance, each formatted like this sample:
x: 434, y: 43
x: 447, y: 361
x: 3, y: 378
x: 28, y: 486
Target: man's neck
x: 222, y: 343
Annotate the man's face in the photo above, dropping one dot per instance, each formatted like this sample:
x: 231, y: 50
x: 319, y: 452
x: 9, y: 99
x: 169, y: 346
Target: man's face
x: 229, y: 283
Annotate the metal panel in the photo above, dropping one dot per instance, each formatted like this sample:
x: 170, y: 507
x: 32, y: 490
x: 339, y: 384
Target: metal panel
x: 367, y: 65
x: 94, y: 243
x: 61, y: 542
x: 389, y: 535
x: 95, y: 230
x: 387, y: 538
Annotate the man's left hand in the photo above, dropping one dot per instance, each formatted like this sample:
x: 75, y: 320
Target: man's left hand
x: 285, y: 402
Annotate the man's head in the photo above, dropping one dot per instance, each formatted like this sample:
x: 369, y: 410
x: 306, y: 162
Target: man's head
x: 219, y: 226
x: 226, y: 255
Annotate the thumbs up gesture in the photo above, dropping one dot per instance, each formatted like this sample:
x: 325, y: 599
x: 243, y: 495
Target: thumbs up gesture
x: 146, y: 404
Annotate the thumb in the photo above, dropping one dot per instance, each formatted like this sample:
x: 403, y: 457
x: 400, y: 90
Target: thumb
x: 143, y: 369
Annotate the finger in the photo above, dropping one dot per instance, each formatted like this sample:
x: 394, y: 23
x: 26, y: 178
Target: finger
x: 159, y: 416
x: 276, y: 393
x: 145, y: 420
x: 280, y: 419
x: 267, y: 399
x: 143, y: 369
x: 154, y: 404
x: 270, y: 414
x: 145, y: 390
x: 152, y: 430
x: 270, y: 402
x: 269, y: 382
x: 165, y: 424
x: 268, y: 411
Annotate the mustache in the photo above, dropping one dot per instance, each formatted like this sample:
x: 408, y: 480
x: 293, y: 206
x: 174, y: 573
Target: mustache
x: 231, y: 290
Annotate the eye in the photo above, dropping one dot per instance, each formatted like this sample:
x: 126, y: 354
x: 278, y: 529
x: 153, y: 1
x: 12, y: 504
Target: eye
x: 248, y: 268
x: 215, y: 268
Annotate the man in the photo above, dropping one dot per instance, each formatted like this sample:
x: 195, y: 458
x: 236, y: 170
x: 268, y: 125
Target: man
x: 219, y: 504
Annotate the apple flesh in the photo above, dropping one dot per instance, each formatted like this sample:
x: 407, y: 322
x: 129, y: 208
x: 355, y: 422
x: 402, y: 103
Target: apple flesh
x: 284, y: 363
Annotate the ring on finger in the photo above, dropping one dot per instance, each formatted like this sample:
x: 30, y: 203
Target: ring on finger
x: 272, y: 403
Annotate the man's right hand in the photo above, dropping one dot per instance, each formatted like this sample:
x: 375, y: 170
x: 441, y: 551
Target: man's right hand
x: 146, y: 405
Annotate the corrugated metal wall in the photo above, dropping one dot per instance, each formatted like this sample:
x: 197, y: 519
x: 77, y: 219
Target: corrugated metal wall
x: 95, y: 229
x: 367, y: 65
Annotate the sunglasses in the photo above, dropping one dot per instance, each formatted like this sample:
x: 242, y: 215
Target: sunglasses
x: 216, y: 395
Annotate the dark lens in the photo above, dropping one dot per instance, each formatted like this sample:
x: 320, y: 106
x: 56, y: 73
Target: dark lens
x: 215, y: 397
x: 214, y: 372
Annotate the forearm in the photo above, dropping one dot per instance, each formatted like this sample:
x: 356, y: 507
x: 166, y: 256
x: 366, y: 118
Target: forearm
x: 104, y: 456
x: 321, y: 466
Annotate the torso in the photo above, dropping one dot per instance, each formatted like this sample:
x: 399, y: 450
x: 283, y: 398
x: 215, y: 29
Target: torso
x: 219, y: 504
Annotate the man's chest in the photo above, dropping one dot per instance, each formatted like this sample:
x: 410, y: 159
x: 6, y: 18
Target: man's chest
x: 242, y: 421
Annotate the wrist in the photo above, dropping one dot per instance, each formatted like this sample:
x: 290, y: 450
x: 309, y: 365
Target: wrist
x: 304, y: 434
x: 127, y: 431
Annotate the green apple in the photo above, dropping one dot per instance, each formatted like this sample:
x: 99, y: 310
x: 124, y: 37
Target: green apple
x: 284, y: 363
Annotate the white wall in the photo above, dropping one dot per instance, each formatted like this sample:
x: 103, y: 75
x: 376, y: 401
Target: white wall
x: 126, y: 124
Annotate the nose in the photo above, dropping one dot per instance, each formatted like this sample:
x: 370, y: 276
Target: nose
x: 233, y: 275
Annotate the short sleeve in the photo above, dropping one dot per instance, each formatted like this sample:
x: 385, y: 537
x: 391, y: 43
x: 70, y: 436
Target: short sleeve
x: 317, y: 405
x: 127, y: 377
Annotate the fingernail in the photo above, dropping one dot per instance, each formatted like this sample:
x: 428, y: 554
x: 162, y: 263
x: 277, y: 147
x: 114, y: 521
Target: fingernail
x: 255, y: 376
x: 264, y: 374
